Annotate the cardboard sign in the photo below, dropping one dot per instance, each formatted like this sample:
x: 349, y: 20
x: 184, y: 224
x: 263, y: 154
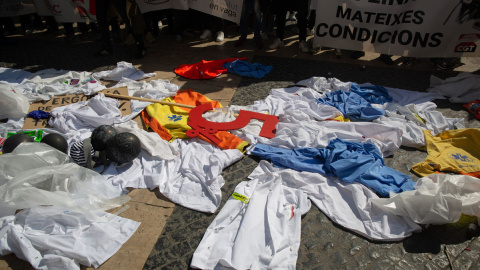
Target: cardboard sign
x: 57, y: 101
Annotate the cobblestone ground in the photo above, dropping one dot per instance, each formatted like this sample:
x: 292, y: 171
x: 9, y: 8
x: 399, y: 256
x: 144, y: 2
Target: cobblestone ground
x: 325, y: 245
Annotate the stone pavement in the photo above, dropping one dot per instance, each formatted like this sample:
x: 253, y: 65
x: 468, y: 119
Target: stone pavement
x: 324, y: 244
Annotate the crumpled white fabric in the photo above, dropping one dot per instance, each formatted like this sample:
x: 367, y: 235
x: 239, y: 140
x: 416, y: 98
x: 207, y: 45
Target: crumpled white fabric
x: 51, y: 237
x: 462, y: 88
x: 325, y: 85
x: 123, y: 70
x: 99, y: 110
x: 412, y: 119
x: 150, y: 141
x: 153, y: 89
x: 12, y: 104
x: 192, y: 180
x: 437, y: 199
x: 319, y: 133
x: 45, y: 84
x: 37, y: 174
x: 348, y: 205
x: 261, y: 234
x: 299, y: 102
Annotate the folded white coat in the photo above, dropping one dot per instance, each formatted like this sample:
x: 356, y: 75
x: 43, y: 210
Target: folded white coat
x: 437, y: 199
x: 51, y: 237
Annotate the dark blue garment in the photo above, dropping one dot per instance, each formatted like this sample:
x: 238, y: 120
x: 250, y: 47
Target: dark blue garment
x: 38, y: 114
x: 349, y: 161
x: 352, y: 105
x: 246, y: 69
x: 375, y: 94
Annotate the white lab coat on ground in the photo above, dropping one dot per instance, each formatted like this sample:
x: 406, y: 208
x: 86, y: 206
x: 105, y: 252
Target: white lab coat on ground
x: 261, y: 234
x: 57, y: 238
x: 348, y: 205
x: 193, y: 179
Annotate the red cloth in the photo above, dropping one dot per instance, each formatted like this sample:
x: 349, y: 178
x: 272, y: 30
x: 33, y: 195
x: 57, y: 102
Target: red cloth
x: 204, y: 69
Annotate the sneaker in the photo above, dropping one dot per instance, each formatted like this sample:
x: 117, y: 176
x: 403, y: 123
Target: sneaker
x: 206, y: 34
x: 387, y: 59
x: 357, y: 54
x: 220, y: 36
x: 277, y: 43
x: 150, y: 38
x: 303, y: 46
x: 240, y: 41
x: 408, y: 61
x: 259, y: 43
x: 292, y: 16
x: 338, y: 53
x: 449, y: 65
x: 309, y: 32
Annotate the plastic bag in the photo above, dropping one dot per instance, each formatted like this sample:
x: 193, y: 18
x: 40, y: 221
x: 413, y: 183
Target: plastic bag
x: 42, y: 177
x: 12, y: 105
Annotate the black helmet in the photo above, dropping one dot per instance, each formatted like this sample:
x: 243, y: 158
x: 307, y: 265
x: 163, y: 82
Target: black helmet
x: 101, y: 135
x: 123, y: 148
x: 13, y: 141
x: 56, y: 141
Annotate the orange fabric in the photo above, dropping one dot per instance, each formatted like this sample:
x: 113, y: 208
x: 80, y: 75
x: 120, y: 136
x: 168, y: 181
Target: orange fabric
x: 152, y: 123
x: 205, y: 69
x: 190, y: 97
x: 474, y: 174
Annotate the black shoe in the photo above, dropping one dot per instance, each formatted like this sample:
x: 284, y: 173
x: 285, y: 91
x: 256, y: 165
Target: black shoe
x: 240, y: 41
x: 449, y: 65
x: 387, y: 59
x: 259, y: 43
x: 104, y: 51
x: 409, y: 61
x: 357, y: 54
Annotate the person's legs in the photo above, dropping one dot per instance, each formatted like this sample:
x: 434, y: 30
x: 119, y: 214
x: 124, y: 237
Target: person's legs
x: 302, y: 14
x: 102, y: 7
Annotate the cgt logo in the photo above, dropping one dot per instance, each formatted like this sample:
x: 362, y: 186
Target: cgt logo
x: 466, y: 47
x: 156, y: 2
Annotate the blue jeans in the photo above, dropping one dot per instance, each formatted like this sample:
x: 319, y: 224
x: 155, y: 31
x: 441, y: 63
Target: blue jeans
x: 247, y: 5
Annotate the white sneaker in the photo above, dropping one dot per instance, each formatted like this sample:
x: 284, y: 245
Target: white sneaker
x: 277, y: 43
x: 220, y: 36
x: 304, y: 46
x: 206, y: 34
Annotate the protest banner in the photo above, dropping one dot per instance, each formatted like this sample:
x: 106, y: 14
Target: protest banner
x: 428, y: 28
x: 230, y: 10
x: 152, y: 5
x: 69, y: 10
x: 11, y: 8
